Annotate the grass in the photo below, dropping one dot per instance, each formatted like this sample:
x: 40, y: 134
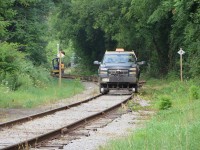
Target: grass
x: 35, y: 96
x: 175, y: 128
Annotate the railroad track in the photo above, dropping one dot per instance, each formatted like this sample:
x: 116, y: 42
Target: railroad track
x: 49, y: 112
x: 88, y: 78
x: 83, y: 78
x: 28, y: 132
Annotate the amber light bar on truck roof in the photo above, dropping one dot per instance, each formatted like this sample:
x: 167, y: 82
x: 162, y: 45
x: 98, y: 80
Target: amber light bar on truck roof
x: 119, y: 50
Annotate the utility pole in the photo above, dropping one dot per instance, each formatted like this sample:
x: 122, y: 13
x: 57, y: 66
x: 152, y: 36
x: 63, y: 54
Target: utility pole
x: 181, y: 52
x: 60, y: 55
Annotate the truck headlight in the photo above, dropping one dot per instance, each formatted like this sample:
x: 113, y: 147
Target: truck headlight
x: 132, y: 71
x: 103, y: 71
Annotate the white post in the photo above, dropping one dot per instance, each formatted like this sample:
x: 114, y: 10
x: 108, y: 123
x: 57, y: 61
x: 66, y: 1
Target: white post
x: 181, y: 68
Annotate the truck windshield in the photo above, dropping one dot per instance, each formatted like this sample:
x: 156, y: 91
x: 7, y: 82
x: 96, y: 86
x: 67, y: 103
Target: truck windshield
x: 119, y: 58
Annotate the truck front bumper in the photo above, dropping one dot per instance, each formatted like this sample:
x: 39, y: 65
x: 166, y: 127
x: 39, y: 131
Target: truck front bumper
x: 118, y: 82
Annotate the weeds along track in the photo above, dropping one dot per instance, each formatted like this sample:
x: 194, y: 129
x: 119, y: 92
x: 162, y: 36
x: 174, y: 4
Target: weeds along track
x: 51, y: 125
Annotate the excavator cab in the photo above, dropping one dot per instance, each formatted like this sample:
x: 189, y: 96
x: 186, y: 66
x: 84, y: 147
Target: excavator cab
x: 55, y: 65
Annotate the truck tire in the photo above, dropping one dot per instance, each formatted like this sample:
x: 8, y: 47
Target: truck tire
x: 136, y: 88
x: 105, y: 91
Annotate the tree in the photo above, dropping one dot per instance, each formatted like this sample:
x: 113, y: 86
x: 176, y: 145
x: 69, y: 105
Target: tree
x: 26, y: 24
x: 23, y: 28
x: 186, y: 33
x: 76, y: 23
x: 155, y: 29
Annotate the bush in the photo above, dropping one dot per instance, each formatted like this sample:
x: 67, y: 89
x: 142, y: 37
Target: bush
x: 18, y: 72
x: 193, y: 92
x: 164, y: 103
x: 172, y: 75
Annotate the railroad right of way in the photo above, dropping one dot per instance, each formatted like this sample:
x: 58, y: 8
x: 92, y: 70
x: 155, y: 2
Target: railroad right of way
x: 20, y: 135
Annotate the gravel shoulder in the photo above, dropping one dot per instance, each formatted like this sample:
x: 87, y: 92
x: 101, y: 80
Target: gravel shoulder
x: 120, y: 127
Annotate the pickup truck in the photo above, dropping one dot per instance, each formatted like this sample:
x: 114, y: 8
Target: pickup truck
x: 118, y: 70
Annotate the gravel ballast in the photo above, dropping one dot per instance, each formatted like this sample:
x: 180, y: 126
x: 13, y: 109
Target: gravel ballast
x: 117, y: 128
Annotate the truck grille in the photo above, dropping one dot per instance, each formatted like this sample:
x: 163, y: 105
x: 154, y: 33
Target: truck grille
x: 116, y: 72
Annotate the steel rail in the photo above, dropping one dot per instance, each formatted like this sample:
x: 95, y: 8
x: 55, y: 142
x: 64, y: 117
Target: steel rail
x: 48, y: 112
x: 83, y: 78
x: 88, y: 78
x: 58, y: 132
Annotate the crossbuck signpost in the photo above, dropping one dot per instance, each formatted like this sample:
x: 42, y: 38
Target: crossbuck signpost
x: 181, y: 52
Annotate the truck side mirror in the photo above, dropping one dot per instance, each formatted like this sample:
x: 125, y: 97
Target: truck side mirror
x: 141, y: 63
x: 97, y: 62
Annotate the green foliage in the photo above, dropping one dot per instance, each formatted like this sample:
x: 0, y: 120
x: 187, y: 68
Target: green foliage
x: 193, y: 92
x: 154, y: 29
x: 9, y: 57
x: 164, y: 103
x: 172, y: 76
x: 23, y: 27
x: 186, y: 31
x: 9, y: 64
x: 78, y: 21
x: 176, y: 128
x: 17, y: 72
x: 31, y: 28
x: 31, y: 96
x: 25, y: 22
x: 133, y: 106
x: 6, y: 14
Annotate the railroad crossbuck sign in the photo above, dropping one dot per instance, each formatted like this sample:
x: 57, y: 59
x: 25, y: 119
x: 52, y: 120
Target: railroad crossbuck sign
x: 181, y: 52
x: 61, y: 54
